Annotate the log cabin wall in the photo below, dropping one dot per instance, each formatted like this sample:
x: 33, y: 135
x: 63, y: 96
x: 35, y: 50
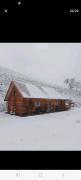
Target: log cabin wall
x: 38, y: 106
x: 29, y: 106
x: 15, y: 102
x: 32, y: 106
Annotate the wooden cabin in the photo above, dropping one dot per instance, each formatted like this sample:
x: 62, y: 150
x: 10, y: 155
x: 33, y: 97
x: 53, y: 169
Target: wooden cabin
x: 29, y: 99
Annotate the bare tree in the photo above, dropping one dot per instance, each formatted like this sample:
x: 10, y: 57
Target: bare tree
x: 70, y: 82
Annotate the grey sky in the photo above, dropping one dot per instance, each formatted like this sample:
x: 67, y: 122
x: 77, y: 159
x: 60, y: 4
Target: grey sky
x: 43, y: 61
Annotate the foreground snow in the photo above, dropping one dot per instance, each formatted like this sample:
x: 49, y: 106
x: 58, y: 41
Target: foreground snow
x: 54, y: 131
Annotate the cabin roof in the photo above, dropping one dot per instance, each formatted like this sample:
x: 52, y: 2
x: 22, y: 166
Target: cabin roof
x: 29, y: 90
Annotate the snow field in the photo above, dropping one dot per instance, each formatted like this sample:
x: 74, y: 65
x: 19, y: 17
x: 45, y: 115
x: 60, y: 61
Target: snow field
x: 54, y: 131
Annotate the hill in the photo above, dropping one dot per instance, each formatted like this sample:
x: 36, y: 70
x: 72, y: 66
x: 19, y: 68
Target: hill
x: 7, y: 75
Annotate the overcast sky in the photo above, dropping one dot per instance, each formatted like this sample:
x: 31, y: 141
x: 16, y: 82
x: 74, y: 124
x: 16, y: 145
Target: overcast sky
x: 43, y: 61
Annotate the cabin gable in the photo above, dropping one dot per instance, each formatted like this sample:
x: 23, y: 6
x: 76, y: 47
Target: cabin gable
x: 12, y: 88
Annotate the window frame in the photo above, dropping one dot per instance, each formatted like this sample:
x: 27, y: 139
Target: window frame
x: 37, y: 103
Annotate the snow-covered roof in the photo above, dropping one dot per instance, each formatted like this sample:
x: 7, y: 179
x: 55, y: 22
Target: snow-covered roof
x: 52, y: 93
x: 29, y: 90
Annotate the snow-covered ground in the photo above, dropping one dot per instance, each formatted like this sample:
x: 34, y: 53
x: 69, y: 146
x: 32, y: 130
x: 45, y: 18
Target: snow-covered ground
x: 54, y: 131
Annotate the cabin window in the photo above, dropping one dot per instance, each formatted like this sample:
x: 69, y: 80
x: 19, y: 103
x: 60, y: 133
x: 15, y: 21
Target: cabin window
x: 37, y: 104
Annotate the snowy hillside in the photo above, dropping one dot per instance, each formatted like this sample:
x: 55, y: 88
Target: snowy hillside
x: 7, y: 75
